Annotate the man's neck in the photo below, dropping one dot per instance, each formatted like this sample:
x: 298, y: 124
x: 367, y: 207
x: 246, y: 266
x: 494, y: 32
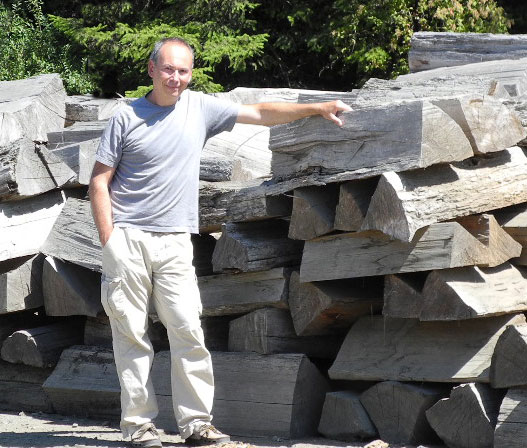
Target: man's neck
x: 153, y: 98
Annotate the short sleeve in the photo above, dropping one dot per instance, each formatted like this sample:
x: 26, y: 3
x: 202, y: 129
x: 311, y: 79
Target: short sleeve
x: 110, y: 147
x: 220, y: 115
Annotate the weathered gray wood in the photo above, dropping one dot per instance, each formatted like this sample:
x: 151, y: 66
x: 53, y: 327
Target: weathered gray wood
x: 353, y: 203
x: 268, y: 331
x: 468, y: 417
x: 85, y: 383
x: 313, y: 212
x: 78, y: 132
x: 406, y: 202
x: 31, y: 218
x: 399, y: 136
x: 9, y: 323
x: 509, y: 361
x: 21, y: 286
x: 378, y: 348
x: 513, y: 220
x: 42, y: 346
x: 344, y: 418
x: 274, y: 395
x: 348, y: 255
x: 403, y: 295
x: 511, y: 429
x: 70, y: 290
x: 91, y: 108
x: 429, y: 50
x: 216, y: 332
x: 80, y: 158
x: 472, y: 292
x: 331, y: 307
x: 398, y: 410
x: 255, y: 246
x: 227, y: 294
x: 31, y: 107
x: 217, y: 169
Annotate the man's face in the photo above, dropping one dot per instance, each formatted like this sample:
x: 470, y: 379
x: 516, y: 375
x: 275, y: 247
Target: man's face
x: 171, y: 74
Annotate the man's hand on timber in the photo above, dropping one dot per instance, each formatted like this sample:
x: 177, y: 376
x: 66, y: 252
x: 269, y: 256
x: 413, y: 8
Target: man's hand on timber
x: 330, y: 111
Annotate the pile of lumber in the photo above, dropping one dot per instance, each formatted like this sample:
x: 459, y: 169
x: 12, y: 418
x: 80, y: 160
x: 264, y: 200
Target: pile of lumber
x: 372, y: 284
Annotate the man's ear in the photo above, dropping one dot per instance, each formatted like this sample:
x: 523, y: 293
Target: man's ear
x: 151, y: 68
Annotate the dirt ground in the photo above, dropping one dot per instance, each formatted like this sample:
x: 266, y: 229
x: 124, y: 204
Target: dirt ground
x: 48, y: 430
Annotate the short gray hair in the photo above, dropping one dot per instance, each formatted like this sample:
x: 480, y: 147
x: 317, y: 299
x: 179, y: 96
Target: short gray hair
x: 154, y: 55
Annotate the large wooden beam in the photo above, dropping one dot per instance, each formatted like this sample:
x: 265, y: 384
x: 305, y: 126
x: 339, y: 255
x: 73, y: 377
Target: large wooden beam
x: 511, y: 429
x: 78, y: 132
x: 377, y: 348
x: 514, y: 221
x: 91, y: 108
x: 403, y: 295
x: 80, y: 158
x: 509, y: 361
x: 353, y: 203
x: 406, y: 202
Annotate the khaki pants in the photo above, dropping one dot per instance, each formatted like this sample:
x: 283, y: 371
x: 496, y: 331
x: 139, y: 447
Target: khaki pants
x: 140, y: 266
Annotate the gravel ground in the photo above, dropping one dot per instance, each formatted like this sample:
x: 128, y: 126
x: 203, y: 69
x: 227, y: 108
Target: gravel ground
x: 48, y: 430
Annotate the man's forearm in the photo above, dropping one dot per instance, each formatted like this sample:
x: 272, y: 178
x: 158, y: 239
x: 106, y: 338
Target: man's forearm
x: 101, y: 211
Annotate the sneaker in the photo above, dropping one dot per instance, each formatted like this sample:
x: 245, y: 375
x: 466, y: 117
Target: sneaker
x: 146, y: 437
x: 207, y: 435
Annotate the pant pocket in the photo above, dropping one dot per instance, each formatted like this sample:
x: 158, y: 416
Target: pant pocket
x: 112, y: 297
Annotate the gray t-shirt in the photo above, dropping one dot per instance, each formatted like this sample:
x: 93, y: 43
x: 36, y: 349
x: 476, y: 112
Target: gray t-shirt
x: 156, y: 151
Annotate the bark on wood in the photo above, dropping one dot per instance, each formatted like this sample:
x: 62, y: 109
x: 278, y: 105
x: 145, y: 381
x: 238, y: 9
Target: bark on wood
x: 256, y: 246
x: 70, y: 290
x: 218, y: 169
x: 269, y: 331
x: 33, y: 218
x: 398, y: 411
x: 284, y: 392
x: 472, y: 292
x: 511, y: 429
x: 509, y: 361
x: 396, y: 137
x: 42, y: 346
x: 85, y: 383
x: 429, y: 50
x: 353, y: 203
x: 331, y: 307
x: 21, y: 286
x: 228, y: 294
x: 31, y: 108
x: 344, y: 418
x: 378, y: 348
x: 313, y: 212
x: 468, y: 417
x: 403, y: 296
x: 91, y: 108
x: 406, y: 202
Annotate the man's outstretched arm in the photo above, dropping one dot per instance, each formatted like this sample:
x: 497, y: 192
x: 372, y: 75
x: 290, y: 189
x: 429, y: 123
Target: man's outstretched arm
x: 269, y: 114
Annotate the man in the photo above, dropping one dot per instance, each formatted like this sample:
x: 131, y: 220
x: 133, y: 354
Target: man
x: 144, y: 194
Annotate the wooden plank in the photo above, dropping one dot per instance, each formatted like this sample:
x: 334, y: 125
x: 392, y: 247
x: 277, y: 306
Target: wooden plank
x: 509, y: 365
x: 467, y: 417
x: 353, y: 203
x: 330, y: 307
x: 285, y: 392
x: 403, y: 296
x: 406, y: 202
x: 78, y: 132
x: 511, y: 429
x: 80, y: 158
x: 269, y: 331
x: 228, y: 294
x: 472, y: 292
x: 344, y: 418
x: 92, y: 108
x: 258, y: 246
x: 398, y: 410
x: 378, y: 349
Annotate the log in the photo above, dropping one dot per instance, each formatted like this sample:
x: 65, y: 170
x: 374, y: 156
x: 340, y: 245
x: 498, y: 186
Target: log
x: 9, y: 323
x: 406, y: 202
x: 472, y: 292
x: 468, y: 417
x: 256, y: 395
x: 344, y: 418
x: 399, y: 136
x: 80, y: 158
x: 33, y: 218
x: 218, y: 169
x: 362, y: 254
x: 21, y: 285
x: 353, y: 203
x: 378, y: 349
x: 70, y: 290
x: 398, y: 411
x: 85, y: 383
x: 403, y: 296
x: 42, y: 346
x: 330, y: 307
x: 257, y: 246
x: 429, y: 50
x: 313, y: 212
x: 514, y: 221
x: 31, y: 107
x: 511, y: 429
x: 509, y: 366
x: 91, y: 108
x: 269, y: 331
x: 228, y: 294
x: 78, y: 132
x: 27, y: 170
